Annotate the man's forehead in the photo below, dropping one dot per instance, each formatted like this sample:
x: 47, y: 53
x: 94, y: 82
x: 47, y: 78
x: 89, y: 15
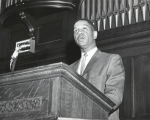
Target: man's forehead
x: 82, y: 23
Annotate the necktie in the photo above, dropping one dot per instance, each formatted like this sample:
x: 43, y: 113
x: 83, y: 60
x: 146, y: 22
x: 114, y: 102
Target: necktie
x: 82, y: 64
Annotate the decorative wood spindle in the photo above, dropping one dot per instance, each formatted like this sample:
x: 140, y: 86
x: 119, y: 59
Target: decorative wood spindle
x: 83, y: 10
x: 0, y: 5
x: 145, y: 9
x: 117, y: 12
x: 110, y: 13
x: 99, y: 15
x: 131, y: 13
x: 88, y: 9
x: 93, y: 10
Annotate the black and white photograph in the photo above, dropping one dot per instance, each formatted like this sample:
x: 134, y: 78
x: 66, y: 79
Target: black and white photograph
x: 74, y: 59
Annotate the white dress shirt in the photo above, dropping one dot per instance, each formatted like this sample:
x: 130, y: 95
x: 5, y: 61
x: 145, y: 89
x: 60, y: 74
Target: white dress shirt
x: 89, y: 55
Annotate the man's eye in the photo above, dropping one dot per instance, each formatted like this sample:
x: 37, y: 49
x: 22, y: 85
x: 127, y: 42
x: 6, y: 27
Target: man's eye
x: 85, y: 28
x: 75, y: 30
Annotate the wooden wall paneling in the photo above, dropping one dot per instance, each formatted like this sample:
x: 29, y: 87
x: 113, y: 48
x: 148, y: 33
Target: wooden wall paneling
x: 142, y: 82
x: 133, y: 87
x: 49, y: 45
x: 133, y: 44
x: 126, y: 106
x: 131, y: 40
x: 4, y: 41
x: 4, y: 49
x: 55, y: 32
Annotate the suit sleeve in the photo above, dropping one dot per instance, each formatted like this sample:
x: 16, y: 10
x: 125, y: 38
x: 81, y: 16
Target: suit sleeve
x: 114, y: 86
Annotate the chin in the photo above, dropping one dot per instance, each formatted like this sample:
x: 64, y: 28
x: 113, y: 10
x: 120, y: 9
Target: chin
x: 81, y: 44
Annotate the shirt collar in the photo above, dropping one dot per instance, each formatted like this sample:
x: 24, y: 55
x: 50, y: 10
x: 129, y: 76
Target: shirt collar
x: 90, y: 52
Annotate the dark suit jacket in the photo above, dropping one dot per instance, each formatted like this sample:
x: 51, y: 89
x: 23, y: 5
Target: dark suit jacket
x: 106, y: 72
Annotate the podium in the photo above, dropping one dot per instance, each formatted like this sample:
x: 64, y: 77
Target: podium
x: 51, y: 92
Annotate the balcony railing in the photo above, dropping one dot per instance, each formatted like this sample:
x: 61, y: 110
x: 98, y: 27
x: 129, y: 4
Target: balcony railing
x: 38, y: 3
x: 8, y: 7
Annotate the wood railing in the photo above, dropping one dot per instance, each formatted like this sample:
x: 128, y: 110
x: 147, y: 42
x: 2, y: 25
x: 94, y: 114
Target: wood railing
x: 8, y: 3
x: 11, y: 7
x: 4, y: 4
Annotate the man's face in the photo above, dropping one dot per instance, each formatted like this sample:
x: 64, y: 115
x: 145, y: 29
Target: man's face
x: 84, y: 34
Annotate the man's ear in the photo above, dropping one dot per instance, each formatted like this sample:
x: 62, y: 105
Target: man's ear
x: 95, y: 34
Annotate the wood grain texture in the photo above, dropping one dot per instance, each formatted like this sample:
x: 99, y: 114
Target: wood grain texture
x: 50, y: 91
x: 142, y: 82
x: 132, y: 43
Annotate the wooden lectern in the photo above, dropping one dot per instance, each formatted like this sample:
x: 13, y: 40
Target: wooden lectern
x: 50, y: 92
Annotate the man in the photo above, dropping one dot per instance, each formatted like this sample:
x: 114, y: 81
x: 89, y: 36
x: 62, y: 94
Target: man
x: 105, y: 71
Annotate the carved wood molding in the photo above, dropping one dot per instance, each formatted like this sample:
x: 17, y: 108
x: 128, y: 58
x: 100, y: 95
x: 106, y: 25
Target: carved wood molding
x: 123, y: 38
x: 15, y: 7
x: 54, y: 71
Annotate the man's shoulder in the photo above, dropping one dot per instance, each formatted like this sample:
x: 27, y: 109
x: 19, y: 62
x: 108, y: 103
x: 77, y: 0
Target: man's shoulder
x: 109, y: 55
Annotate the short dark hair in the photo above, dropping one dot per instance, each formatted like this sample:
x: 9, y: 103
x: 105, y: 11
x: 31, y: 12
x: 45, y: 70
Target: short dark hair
x: 90, y: 22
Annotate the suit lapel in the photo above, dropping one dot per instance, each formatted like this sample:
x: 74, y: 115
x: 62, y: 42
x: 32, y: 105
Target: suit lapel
x: 75, y: 66
x: 92, y: 61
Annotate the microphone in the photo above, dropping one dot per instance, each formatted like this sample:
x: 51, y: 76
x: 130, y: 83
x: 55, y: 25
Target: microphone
x: 23, y: 46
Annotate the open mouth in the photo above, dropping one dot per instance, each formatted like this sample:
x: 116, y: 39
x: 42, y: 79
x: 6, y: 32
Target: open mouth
x: 81, y: 37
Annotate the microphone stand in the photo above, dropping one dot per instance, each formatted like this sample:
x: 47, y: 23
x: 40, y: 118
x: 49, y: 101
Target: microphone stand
x: 14, y: 59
